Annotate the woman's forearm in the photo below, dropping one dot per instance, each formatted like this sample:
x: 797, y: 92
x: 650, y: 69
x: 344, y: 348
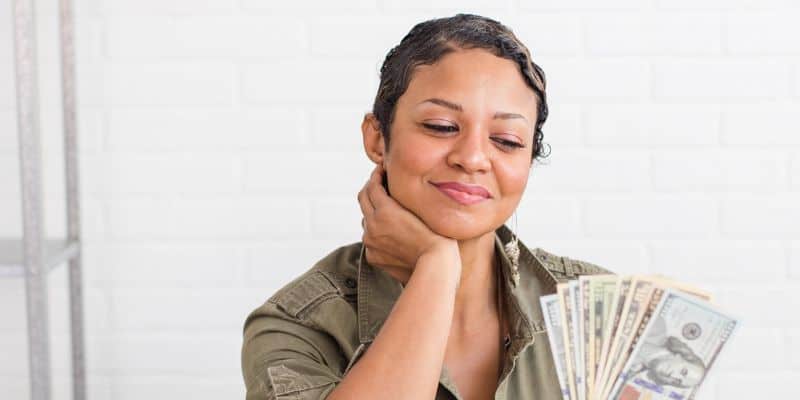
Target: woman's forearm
x: 405, y: 359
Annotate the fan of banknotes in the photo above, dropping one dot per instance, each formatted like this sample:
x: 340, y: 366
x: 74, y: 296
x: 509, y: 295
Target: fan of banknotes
x: 633, y: 337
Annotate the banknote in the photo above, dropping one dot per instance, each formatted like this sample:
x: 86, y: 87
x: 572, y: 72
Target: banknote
x: 622, y: 294
x: 683, y: 287
x: 677, y: 348
x: 597, y: 323
x: 584, y: 319
x: 551, y: 310
x: 660, y: 284
x: 580, y: 384
x: 632, y: 313
x: 602, y: 292
x: 565, y: 303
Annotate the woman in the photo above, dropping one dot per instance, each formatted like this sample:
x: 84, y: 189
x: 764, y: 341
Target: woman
x: 438, y: 301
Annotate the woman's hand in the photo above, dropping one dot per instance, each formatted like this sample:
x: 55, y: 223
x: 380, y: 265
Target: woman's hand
x: 394, y: 236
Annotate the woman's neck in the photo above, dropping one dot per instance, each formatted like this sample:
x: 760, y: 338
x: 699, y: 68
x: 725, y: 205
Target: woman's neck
x: 476, y: 298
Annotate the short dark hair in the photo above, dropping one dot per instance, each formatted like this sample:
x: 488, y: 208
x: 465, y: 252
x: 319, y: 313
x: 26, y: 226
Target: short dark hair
x: 429, y: 41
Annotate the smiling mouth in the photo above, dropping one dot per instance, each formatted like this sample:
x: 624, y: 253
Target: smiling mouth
x: 459, y: 196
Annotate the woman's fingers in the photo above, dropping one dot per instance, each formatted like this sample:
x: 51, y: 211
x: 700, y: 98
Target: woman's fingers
x: 384, y: 259
x: 397, y: 269
x: 364, y: 202
x: 375, y: 191
x: 400, y: 272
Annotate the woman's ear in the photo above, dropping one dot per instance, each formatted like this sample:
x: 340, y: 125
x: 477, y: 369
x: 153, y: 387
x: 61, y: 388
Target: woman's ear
x: 373, y: 139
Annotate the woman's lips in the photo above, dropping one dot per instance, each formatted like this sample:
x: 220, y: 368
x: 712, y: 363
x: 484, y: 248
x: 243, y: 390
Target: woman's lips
x: 463, y: 194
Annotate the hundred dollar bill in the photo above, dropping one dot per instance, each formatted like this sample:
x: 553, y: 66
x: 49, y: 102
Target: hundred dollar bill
x: 677, y: 348
x: 620, y: 297
x: 575, y: 295
x: 636, y: 304
x: 602, y: 292
x: 563, y: 293
x: 683, y: 287
x: 555, y: 335
x: 624, y: 285
x: 660, y: 284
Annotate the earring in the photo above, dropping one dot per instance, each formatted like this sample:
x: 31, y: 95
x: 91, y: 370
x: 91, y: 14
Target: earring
x: 512, y: 250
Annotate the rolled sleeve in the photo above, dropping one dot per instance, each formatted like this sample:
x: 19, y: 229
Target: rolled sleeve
x: 283, y: 359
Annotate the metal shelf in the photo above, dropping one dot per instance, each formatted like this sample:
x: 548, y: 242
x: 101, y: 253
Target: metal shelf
x: 56, y: 252
x: 34, y: 255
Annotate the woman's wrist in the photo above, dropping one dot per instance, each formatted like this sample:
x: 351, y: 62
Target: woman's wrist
x: 442, y: 245
x: 442, y: 259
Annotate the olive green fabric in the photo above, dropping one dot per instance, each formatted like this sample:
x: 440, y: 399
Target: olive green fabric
x: 303, y: 340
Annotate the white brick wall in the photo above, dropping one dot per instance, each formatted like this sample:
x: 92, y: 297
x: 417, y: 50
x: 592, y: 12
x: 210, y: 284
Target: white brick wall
x: 676, y: 150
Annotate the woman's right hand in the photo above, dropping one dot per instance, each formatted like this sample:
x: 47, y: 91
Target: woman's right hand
x: 395, y: 237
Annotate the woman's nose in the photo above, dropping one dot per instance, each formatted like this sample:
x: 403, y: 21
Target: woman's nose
x: 470, y: 152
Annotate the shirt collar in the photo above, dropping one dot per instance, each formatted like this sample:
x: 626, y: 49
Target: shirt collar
x: 378, y: 291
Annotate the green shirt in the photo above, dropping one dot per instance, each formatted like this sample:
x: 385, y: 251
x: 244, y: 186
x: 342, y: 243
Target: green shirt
x: 303, y: 340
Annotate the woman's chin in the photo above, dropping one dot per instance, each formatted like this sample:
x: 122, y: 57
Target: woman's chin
x: 458, y: 229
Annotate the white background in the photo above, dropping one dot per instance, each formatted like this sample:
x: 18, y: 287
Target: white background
x: 221, y: 156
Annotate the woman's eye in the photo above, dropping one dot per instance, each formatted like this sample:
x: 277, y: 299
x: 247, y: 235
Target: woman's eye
x: 509, y: 143
x: 449, y: 128
x: 441, y: 128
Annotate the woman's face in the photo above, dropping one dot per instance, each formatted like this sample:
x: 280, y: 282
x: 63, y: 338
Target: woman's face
x: 483, y: 109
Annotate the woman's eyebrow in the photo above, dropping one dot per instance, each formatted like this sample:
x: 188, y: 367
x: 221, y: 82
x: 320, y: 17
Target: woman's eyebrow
x: 457, y: 107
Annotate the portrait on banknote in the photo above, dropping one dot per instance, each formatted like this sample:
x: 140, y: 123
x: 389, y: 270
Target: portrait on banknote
x: 667, y: 360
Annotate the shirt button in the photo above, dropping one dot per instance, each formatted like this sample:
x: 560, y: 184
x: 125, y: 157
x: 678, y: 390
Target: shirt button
x: 350, y: 282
